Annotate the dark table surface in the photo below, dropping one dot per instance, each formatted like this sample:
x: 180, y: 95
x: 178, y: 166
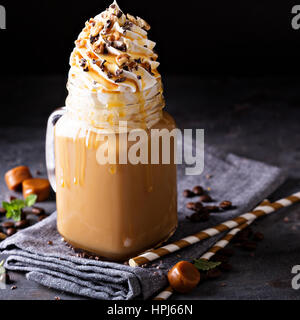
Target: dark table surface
x: 252, y: 117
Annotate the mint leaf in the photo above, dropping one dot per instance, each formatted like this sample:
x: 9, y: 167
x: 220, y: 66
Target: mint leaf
x: 205, y: 265
x: 5, y: 205
x: 31, y: 200
x: 14, y: 208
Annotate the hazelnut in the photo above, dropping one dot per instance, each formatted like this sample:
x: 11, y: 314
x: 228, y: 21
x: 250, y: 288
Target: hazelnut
x: 123, y: 59
x: 99, y: 48
x: 132, y: 19
x: 117, y: 35
x: 143, y: 24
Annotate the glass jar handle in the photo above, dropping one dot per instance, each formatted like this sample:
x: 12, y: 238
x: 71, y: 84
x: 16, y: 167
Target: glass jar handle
x: 50, y: 152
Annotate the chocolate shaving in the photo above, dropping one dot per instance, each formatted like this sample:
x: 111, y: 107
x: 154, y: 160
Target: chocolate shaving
x: 82, y: 62
x: 94, y: 39
x: 119, y: 80
x: 109, y: 75
x: 102, y: 66
x: 139, y: 77
x: 127, y: 25
x: 119, y: 72
x: 122, y: 47
x: 147, y: 66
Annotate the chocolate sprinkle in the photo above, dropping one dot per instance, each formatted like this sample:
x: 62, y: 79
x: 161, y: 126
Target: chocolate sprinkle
x: 122, y: 47
x: 102, y: 66
x: 119, y: 72
x: 120, y: 80
x: 94, y: 39
x: 82, y: 62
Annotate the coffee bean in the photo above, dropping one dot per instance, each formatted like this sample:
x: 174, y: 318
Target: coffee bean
x: 42, y: 217
x: 13, y: 288
x: 50, y: 243
x: 212, y: 208
x: 205, y: 198
x: 2, y: 211
x: 225, y: 267
x: 199, y: 217
x: 195, y: 206
x: 37, y: 211
x: 11, y: 231
x: 249, y: 245
x: 196, y: 217
x: 205, y: 216
x: 23, y: 215
x: 226, y: 252
x: 214, y: 273
x: 57, y: 298
x: 258, y: 236
x: 22, y: 224
x: 11, y: 198
x: 190, y: 205
x: 188, y: 194
x: 198, y: 191
x: 238, y: 244
x: 8, y: 224
x: 245, y: 234
x: 225, y: 205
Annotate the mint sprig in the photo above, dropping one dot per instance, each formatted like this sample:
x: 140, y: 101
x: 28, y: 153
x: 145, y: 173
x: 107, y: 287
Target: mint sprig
x: 205, y: 265
x: 14, y: 208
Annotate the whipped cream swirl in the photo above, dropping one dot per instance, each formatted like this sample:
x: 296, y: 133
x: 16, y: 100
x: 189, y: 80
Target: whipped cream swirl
x: 114, y: 66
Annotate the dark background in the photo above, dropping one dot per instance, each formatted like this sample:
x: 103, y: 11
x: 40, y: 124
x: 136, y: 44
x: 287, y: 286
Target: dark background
x: 193, y: 37
x: 229, y: 67
x: 207, y: 42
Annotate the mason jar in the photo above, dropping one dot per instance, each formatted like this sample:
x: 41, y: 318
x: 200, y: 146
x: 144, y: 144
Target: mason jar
x: 119, y: 209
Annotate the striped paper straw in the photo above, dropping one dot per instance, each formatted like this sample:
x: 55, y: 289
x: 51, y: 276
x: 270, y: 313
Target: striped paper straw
x: 260, y: 211
x: 167, y: 293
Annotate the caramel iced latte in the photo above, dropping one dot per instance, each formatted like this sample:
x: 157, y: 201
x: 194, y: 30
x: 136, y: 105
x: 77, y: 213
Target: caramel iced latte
x: 115, y: 210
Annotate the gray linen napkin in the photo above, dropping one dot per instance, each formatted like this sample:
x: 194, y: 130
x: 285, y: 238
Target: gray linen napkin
x: 244, y: 182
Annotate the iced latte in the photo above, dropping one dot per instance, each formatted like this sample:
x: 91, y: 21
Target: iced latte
x: 114, y: 209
